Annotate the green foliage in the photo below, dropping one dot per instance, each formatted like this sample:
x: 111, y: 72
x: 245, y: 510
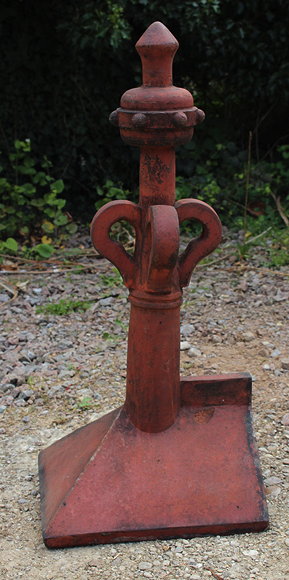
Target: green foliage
x: 109, y: 192
x: 111, y: 280
x: 43, y: 250
x: 99, y: 21
x: 279, y: 249
x: 85, y: 403
x: 109, y: 336
x: 123, y: 325
x: 280, y: 173
x: 237, y: 188
x: 10, y: 244
x: 30, y: 202
x: 64, y: 307
x: 79, y: 58
x: 202, y: 186
x: 273, y: 244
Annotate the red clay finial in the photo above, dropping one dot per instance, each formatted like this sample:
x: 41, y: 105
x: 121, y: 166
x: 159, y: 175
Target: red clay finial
x: 178, y: 459
x: 157, y: 48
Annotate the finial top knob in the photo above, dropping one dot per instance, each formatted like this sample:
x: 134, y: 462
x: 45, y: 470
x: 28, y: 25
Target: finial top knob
x: 157, y: 113
x: 157, y: 48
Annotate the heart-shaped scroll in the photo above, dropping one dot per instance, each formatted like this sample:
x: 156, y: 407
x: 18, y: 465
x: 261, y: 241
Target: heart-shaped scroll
x: 199, y: 247
x: 101, y: 224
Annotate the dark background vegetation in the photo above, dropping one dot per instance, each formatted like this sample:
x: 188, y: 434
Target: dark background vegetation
x: 65, y: 65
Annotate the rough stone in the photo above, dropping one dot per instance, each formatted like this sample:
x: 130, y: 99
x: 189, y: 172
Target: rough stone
x: 285, y: 419
x: 251, y: 553
x: 272, y: 480
x: 187, y: 329
x: 185, y: 345
x: 106, y: 301
x: 275, y: 353
x: 26, y: 394
x: 285, y: 364
x: 273, y: 490
x: 248, y: 336
x: 194, y: 351
x: 145, y: 565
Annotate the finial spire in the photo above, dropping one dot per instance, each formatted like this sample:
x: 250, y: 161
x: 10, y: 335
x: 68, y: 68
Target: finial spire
x: 157, y: 113
x: 157, y: 48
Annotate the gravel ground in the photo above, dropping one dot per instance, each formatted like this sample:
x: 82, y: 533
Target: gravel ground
x: 60, y: 372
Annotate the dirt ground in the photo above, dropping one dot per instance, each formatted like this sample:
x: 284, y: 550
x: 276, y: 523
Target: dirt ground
x: 60, y: 372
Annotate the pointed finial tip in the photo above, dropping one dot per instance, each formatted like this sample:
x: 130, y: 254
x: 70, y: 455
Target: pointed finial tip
x: 157, y: 34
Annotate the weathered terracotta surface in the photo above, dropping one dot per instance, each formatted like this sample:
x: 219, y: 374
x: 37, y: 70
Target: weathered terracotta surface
x: 179, y: 458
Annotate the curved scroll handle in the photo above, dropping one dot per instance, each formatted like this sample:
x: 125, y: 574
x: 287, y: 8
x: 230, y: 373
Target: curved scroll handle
x: 106, y: 216
x: 199, y: 247
x: 163, y: 227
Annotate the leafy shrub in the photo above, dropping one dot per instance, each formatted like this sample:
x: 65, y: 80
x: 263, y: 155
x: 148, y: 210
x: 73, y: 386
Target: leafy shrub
x: 279, y: 249
x: 110, y: 191
x: 238, y: 187
x: 79, y: 57
x: 29, y: 199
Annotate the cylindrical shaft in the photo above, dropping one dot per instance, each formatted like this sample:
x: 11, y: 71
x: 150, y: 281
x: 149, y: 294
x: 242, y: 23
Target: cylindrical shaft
x: 157, y: 176
x: 152, y: 399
